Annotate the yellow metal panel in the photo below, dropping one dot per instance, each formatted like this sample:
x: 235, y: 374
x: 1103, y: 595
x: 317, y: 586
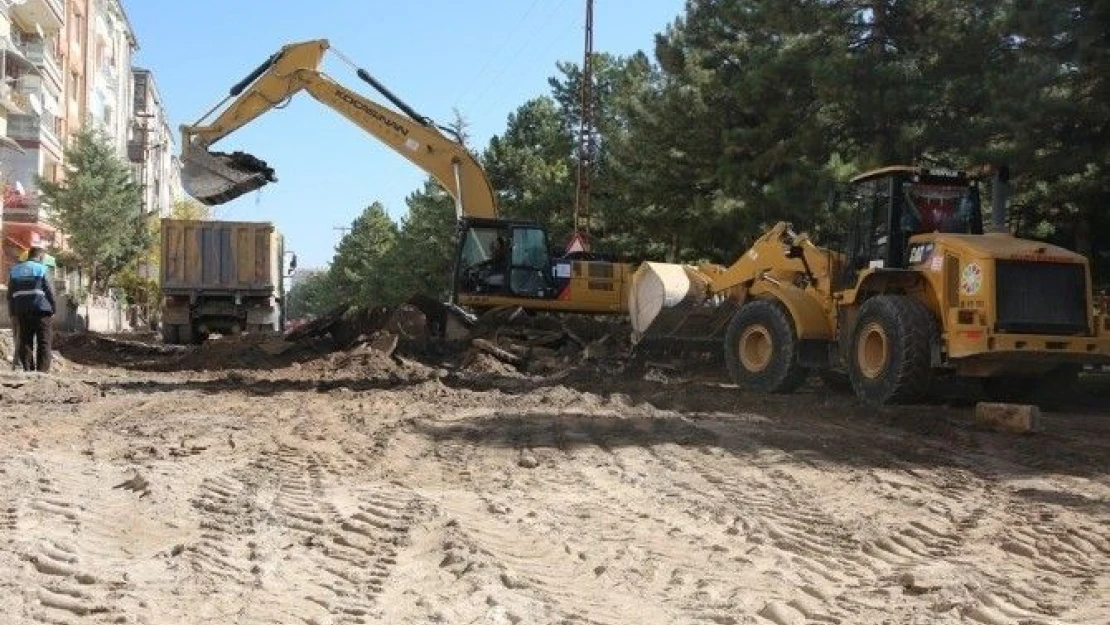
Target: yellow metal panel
x: 810, y: 318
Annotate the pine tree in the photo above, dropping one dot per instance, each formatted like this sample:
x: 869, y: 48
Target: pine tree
x: 359, y: 268
x: 98, y: 207
x: 424, y: 255
x: 313, y: 293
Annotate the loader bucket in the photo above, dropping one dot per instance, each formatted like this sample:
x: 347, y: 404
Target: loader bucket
x: 669, y: 307
x: 216, y: 177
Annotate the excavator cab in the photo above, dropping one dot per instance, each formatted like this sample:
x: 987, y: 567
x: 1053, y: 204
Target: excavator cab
x: 887, y: 206
x: 504, y: 258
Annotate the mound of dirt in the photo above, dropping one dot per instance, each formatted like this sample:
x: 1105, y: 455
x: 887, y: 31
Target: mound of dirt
x: 366, y: 362
x: 484, y: 364
x: 37, y: 388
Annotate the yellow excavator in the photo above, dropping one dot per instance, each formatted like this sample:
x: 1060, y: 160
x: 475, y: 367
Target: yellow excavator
x: 498, y: 262
x: 917, y: 290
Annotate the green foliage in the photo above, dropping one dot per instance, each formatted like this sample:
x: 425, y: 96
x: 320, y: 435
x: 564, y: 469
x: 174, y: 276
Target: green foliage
x: 424, y: 255
x: 141, y: 292
x: 99, y: 208
x: 377, y: 263
x: 530, y: 164
x: 751, y: 111
x: 357, y: 270
x: 312, y: 294
x: 187, y: 208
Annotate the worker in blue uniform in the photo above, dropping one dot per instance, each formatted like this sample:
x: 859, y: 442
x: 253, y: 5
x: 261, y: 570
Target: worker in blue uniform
x: 31, y: 307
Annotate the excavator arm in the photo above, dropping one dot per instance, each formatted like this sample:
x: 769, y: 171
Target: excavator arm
x: 216, y: 177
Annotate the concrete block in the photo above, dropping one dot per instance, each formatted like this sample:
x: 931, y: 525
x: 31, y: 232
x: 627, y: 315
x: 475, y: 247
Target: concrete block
x: 1012, y: 418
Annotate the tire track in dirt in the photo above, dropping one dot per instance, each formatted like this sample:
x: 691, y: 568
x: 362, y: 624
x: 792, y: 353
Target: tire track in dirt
x: 11, y: 503
x: 64, y: 588
x: 68, y: 577
x: 948, y: 513
x: 353, y: 555
x: 523, y: 561
x: 969, y: 510
x: 363, y: 549
x: 301, y: 506
x: 225, y: 503
x: 680, y: 563
x: 778, y: 523
x: 1071, y: 561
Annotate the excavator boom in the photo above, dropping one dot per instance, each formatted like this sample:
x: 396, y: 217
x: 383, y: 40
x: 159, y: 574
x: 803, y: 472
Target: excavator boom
x: 218, y: 177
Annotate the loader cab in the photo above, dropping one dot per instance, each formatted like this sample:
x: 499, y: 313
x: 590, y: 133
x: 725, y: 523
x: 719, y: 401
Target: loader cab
x: 503, y: 258
x: 885, y: 207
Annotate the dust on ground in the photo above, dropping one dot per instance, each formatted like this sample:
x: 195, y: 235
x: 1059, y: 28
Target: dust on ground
x: 228, y: 483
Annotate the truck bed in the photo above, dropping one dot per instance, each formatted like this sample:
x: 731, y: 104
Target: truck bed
x: 220, y: 256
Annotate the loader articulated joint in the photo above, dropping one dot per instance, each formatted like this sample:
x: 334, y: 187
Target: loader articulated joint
x: 796, y: 251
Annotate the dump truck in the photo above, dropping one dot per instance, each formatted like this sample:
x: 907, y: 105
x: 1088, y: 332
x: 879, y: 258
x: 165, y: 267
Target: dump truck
x: 223, y: 277
x: 914, y: 290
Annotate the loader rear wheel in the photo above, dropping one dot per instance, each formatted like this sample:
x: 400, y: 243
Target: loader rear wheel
x: 889, y: 358
x: 761, y: 349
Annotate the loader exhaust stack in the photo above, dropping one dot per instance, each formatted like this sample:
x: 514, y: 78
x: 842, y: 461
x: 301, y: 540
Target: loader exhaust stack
x: 217, y: 177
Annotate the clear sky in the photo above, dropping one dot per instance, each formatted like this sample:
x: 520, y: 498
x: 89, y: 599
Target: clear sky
x: 485, y: 57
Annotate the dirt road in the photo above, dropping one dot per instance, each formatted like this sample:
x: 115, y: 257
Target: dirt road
x: 377, y: 492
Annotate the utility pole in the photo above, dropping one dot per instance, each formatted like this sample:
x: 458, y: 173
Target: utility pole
x: 585, y: 136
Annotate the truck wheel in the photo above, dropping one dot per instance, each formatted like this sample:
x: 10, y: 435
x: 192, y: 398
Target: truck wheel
x: 889, y: 359
x: 170, y: 334
x: 761, y: 349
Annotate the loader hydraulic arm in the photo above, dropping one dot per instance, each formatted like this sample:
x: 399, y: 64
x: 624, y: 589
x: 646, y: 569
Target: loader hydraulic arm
x: 778, y: 252
x: 215, y: 178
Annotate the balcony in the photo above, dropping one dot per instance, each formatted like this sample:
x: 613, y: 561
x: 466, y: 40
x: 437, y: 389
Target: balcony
x: 12, y: 101
x: 42, y: 56
x: 48, y: 14
x: 110, y: 73
x: 25, y: 210
x: 136, y: 151
x: 39, y: 129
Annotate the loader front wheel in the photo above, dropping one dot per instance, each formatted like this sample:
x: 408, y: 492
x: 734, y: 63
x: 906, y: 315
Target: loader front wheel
x: 761, y: 349
x: 889, y: 359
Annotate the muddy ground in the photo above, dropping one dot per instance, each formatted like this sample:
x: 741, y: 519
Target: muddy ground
x: 227, y: 485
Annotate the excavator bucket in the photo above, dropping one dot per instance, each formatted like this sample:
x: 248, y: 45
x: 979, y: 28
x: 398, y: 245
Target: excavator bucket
x: 216, y: 177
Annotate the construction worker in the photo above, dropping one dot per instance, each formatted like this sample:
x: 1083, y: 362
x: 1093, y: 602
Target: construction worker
x: 31, y: 307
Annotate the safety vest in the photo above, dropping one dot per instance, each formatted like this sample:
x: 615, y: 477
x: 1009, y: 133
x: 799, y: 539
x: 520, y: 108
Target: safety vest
x: 27, y: 285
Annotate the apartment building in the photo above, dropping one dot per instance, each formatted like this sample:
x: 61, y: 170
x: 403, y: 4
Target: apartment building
x: 31, y: 95
x: 110, y: 95
x: 67, y: 65
x: 151, y: 146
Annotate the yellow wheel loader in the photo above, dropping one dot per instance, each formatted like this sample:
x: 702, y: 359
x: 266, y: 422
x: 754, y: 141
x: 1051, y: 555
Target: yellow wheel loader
x: 915, y: 290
